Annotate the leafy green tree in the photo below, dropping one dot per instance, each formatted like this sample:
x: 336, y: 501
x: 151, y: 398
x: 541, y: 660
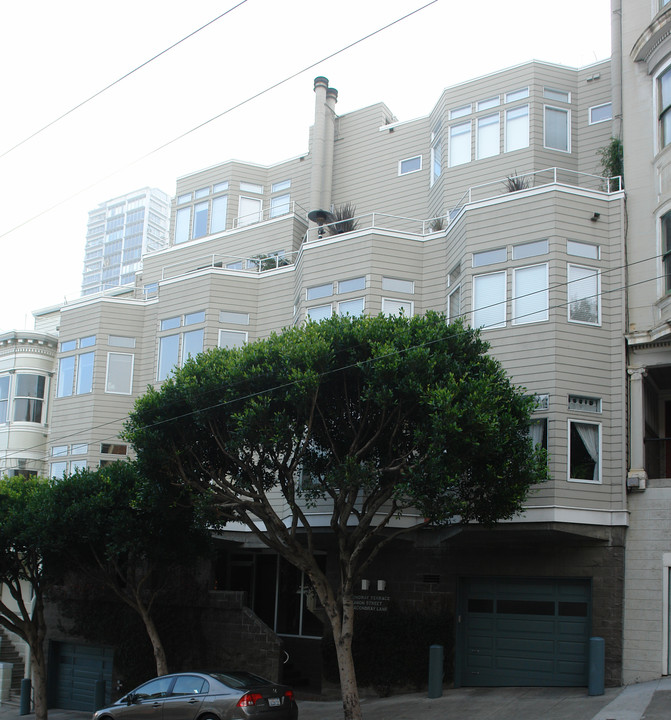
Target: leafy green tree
x: 369, y: 417
x: 128, y: 535
x: 25, y: 539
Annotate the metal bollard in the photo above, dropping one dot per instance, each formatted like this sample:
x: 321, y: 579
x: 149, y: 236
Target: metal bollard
x: 435, y: 671
x: 597, y: 665
x: 24, y: 703
x: 99, y: 694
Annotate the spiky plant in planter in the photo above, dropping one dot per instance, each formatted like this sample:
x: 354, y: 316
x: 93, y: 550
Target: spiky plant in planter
x: 515, y: 182
x: 437, y: 224
x: 344, y: 221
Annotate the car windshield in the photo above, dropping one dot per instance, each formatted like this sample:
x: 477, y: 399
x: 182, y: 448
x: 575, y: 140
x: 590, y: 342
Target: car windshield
x: 241, y: 680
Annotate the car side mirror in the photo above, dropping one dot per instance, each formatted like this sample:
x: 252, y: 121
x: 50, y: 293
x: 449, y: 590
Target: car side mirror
x: 131, y: 698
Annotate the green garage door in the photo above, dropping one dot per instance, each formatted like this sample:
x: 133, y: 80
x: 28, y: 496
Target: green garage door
x: 77, y: 668
x: 523, y: 632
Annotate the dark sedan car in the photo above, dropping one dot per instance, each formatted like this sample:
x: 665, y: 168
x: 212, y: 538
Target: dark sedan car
x: 205, y: 696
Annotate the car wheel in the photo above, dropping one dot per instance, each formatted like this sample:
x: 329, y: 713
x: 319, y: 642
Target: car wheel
x: 208, y: 717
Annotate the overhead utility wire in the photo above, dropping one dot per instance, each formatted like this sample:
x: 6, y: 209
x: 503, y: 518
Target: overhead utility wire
x: 118, y: 80
x: 69, y: 436
x: 216, y: 117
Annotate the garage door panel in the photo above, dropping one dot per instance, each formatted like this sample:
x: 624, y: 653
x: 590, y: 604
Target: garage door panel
x: 78, y: 668
x: 536, y: 633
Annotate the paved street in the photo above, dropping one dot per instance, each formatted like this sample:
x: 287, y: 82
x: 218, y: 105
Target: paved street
x: 651, y: 701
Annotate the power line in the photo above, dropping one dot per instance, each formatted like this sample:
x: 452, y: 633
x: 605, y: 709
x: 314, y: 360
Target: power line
x: 118, y: 80
x: 73, y: 436
x: 218, y: 116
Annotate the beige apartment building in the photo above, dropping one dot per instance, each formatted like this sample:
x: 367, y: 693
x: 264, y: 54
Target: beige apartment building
x: 494, y: 208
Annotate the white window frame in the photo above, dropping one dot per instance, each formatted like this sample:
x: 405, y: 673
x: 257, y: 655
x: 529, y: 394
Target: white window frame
x: 598, y: 479
x: 451, y: 315
x: 499, y: 306
x: 358, y: 284
x: 391, y: 284
x: 462, y: 111
x: 507, y: 135
x: 520, y: 315
x: 663, y: 113
x: 557, y: 95
x: 566, y: 112
x: 519, y: 94
x: 598, y: 107
x: 280, y: 205
x: 241, y: 334
x: 324, y: 311
x: 488, y: 103
x: 110, y: 361
x: 233, y: 317
x: 65, y: 385
x: 393, y: 306
x: 183, y: 225
x: 401, y: 171
x: 249, y: 218
x: 597, y: 294
x: 80, y: 388
x: 314, y: 292
x: 343, y: 303
x: 469, y: 144
x: 162, y: 371
x: 484, y: 122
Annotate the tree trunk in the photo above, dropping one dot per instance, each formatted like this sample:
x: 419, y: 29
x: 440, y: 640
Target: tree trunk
x: 39, y: 667
x: 343, y: 633
x: 157, y: 645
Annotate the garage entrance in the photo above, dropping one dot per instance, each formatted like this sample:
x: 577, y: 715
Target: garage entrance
x: 523, y: 632
x: 75, y: 670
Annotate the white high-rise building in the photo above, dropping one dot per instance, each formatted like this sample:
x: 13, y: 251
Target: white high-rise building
x: 119, y: 233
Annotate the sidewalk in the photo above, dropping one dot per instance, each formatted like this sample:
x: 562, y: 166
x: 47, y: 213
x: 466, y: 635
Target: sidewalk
x: 651, y: 700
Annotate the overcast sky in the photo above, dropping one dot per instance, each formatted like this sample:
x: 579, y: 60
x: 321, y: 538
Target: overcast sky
x: 55, y: 55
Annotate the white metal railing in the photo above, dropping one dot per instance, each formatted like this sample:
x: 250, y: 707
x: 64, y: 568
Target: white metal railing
x: 476, y: 193
x: 539, y: 178
x: 385, y: 221
x: 270, y: 213
x: 256, y: 263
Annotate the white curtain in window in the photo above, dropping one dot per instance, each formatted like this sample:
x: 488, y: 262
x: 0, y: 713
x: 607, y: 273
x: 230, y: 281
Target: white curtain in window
x: 537, y: 432
x: 589, y: 434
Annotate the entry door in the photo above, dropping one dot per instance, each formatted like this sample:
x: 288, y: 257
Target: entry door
x: 523, y: 632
